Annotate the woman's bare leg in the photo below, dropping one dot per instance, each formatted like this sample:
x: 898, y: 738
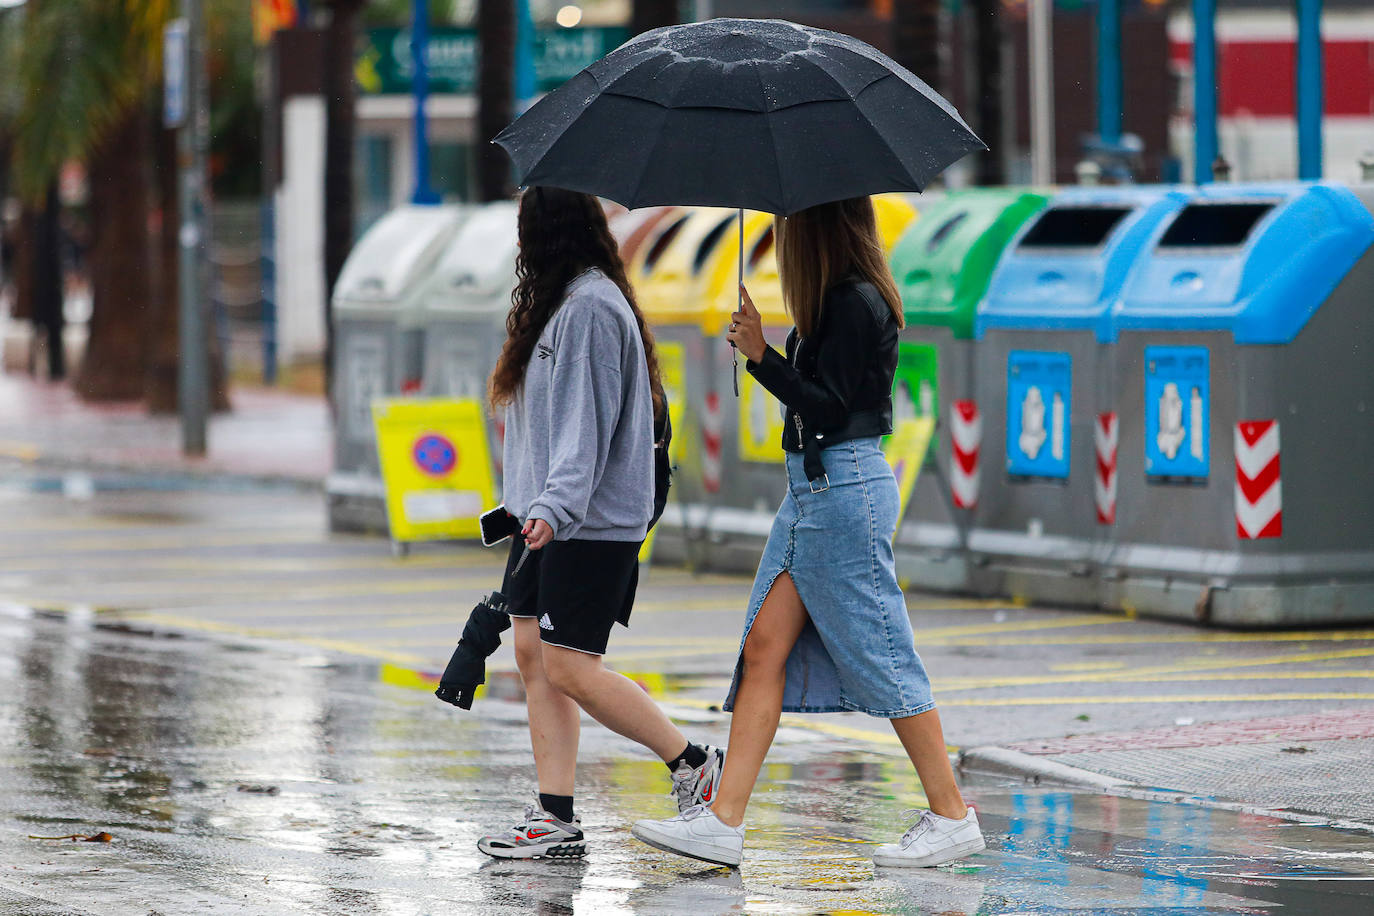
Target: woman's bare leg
x: 758, y: 697
x: 613, y: 700
x: 555, y: 722
x: 924, y: 741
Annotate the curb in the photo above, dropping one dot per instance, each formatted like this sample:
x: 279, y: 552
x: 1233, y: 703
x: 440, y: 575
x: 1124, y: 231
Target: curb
x: 1000, y: 761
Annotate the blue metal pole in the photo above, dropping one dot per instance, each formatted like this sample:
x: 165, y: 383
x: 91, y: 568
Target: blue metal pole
x: 1309, y: 93
x: 525, y: 83
x: 1204, y: 88
x: 1109, y: 116
x: 419, y: 46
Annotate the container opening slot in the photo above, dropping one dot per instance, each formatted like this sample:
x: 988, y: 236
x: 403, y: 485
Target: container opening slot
x: 660, y: 245
x: 937, y: 238
x: 761, y: 248
x: 1073, y: 227
x: 1213, y: 225
x: 708, y: 244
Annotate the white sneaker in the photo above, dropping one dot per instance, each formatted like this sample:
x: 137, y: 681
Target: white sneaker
x: 932, y: 840
x: 696, y: 833
x: 698, y: 786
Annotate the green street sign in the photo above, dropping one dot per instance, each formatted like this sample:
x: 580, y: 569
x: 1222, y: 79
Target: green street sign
x: 384, y: 65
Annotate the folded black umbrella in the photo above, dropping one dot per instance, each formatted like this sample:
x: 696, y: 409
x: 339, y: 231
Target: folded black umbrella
x: 756, y: 113
x: 467, y: 669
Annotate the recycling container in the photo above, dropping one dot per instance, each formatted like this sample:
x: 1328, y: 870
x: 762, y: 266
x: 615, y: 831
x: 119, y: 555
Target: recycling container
x: 463, y: 310
x: 753, y: 479
x: 378, y: 348
x: 942, y: 265
x: 1044, y: 391
x: 667, y: 273
x: 1243, y: 338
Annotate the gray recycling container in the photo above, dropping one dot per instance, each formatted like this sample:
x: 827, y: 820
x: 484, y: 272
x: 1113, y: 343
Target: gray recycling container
x: 942, y: 265
x: 463, y: 309
x: 1044, y: 389
x: 1245, y: 337
x: 377, y: 350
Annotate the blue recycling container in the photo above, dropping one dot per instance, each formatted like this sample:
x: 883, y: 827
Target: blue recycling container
x: 1245, y: 391
x: 1044, y: 331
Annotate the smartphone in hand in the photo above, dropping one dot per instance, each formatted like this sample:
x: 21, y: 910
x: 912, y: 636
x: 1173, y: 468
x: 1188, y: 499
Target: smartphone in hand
x: 497, y: 525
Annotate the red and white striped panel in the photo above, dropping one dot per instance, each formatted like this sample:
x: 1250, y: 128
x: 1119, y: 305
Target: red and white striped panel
x: 1259, y: 494
x: 712, y: 439
x: 1106, y: 435
x: 966, y: 440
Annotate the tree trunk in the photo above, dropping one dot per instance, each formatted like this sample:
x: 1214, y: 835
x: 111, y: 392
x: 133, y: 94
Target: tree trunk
x: 987, y: 42
x: 916, y: 39
x: 495, y: 95
x: 652, y: 14
x: 47, y: 284
x: 340, y: 51
x: 121, y: 295
x: 160, y: 384
x: 162, y: 379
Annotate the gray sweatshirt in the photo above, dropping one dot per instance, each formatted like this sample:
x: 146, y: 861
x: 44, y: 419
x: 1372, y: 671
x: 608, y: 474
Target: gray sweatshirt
x: 579, y: 434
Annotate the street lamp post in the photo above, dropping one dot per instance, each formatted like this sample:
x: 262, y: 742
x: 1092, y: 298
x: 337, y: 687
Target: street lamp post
x: 187, y: 109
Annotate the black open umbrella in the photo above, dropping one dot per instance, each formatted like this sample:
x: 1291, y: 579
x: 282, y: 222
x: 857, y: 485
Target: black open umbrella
x: 756, y: 113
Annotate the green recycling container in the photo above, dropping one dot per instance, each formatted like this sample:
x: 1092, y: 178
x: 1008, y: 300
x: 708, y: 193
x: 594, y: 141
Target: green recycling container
x: 942, y: 266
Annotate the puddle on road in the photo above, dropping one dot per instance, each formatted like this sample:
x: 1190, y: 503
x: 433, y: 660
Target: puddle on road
x: 278, y: 781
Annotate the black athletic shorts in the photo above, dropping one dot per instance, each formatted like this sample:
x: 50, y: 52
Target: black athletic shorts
x: 576, y: 589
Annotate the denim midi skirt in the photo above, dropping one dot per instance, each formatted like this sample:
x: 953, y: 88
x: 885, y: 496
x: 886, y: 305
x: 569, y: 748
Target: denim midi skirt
x: 857, y: 653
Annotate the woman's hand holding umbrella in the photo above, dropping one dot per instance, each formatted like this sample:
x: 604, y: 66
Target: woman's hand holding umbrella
x: 746, y: 329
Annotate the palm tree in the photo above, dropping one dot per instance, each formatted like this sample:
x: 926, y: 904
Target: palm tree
x: 87, y: 71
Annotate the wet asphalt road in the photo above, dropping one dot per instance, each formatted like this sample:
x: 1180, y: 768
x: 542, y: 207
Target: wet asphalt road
x: 275, y: 780
x: 239, y: 699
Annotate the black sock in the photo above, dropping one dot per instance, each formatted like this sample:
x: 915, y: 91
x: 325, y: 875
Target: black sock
x: 560, y: 806
x: 693, y: 756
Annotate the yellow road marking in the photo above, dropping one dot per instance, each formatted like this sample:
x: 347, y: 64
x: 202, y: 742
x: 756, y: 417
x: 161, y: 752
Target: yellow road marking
x: 1166, y: 698
x: 1184, y: 668
x: 23, y: 451
x: 361, y: 563
x: 347, y: 647
x: 1199, y: 637
x: 1088, y: 666
x: 182, y: 541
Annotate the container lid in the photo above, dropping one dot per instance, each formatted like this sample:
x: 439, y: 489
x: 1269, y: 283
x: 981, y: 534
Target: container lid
x: 942, y: 264
x: 1066, y: 267
x: 477, y: 271
x: 668, y: 272
x: 1257, y: 260
x: 394, y: 256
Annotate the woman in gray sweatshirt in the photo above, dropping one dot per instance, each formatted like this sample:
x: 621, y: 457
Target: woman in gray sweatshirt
x: 578, y: 381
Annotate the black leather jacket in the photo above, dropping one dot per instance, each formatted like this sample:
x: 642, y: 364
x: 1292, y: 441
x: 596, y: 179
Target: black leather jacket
x: 838, y: 382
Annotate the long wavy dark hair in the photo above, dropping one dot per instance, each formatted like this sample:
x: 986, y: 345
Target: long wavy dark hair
x: 562, y: 233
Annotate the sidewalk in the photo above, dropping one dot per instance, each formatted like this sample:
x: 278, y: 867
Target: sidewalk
x: 269, y: 435
x: 1315, y: 764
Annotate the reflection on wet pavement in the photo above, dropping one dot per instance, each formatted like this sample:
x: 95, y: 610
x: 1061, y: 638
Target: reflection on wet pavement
x: 262, y: 780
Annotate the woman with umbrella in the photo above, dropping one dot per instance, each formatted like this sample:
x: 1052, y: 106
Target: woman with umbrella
x: 827, y: 628
x: 578, y: 378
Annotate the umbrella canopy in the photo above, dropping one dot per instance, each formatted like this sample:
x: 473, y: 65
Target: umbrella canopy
x: 756, y: 113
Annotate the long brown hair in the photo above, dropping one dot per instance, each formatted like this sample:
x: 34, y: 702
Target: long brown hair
x: 819, y: 246
x: 562, y: 233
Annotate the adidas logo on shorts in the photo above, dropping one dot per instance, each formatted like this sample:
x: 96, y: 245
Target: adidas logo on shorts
x: 545, y: 623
